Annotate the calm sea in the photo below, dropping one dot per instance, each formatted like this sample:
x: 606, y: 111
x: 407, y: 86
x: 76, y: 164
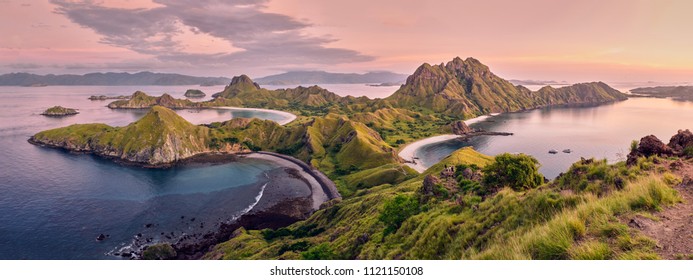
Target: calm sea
x: 54, y: 204
x: 604, y: 131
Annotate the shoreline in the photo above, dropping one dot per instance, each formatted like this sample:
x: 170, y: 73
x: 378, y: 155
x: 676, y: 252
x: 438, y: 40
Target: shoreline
x: 289, y: 117
x: 322, y: 189
x: 409, y: 151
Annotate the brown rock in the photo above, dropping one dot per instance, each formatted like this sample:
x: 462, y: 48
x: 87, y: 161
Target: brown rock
x: 649, y: 145
x: 429, y: 183
x: 460, y: 128
x: 681, y: 140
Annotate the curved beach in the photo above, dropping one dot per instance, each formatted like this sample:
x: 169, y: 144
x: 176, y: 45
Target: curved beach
x: 322, y: 189
x: 288, y: 117
x: 409, y: 151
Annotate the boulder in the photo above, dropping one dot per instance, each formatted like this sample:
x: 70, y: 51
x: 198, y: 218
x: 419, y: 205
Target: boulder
x: 682, y: 139
x: 429, y: 184
x: 460, y: 128
x: 649, y: 145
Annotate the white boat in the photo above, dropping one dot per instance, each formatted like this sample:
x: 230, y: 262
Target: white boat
x: 553, y: 152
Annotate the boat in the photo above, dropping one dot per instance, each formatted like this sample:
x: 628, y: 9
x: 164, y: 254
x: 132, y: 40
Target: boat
x: 553, y: 152
x: 567, y: 151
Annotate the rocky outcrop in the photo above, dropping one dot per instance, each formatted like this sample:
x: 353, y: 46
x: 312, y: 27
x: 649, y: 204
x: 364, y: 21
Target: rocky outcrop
x: 59, y: 111
x: 460, y: 128
x: 648, y: 146
x: 680, y: 141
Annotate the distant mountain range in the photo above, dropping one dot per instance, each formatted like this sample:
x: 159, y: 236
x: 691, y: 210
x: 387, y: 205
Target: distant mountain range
x: 537, y: 82
x: 109, y: 79
x: 322, y: 77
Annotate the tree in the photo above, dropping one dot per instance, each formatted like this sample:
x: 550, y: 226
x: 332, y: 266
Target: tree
x: 519, y: 172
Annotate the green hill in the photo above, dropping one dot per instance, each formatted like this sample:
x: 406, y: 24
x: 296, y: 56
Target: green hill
x: 140, y: 100
x: 160, y: 137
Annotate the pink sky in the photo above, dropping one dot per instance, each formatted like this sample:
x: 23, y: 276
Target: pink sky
x: 548, y: 40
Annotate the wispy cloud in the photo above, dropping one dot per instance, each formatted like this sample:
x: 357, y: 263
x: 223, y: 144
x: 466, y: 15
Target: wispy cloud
x: 261, y: 39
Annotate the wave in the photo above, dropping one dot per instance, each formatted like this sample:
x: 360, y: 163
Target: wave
x: 251, y: 206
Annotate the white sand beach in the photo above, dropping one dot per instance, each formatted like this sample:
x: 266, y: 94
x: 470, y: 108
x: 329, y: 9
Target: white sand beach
x: 288, y: 117
x: 409, y: 151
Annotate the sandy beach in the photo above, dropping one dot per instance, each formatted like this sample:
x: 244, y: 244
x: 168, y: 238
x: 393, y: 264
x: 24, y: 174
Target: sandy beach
x: 289, y: 117
x: 409, y: 151
x: 319, y: 194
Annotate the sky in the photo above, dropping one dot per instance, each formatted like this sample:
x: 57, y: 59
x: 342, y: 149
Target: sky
x: 576, y: 41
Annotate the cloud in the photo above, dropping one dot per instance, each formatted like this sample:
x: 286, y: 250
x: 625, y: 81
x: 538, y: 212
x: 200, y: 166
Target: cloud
x: 264, y: 39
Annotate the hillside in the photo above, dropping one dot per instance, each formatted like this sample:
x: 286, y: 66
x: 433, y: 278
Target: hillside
x: 243, y: 92
x: 322, y: 77
x: 467, y: 88
x: 108, y: 79
x: 159, y: 138
x: 452, y: 212
x: 140, y: 100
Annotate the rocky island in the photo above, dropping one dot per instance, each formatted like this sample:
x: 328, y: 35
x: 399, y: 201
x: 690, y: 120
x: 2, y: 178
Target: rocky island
x: 194, y: 93
x: 59, y: 111
x: 105, y: 97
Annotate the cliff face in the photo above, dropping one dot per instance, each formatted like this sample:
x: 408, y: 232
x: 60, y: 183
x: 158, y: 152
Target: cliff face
x: 159, y: 138
x: 467, y: 88
x: 140, y: 100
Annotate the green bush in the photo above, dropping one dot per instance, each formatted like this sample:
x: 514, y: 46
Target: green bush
x: 633, y: 145
x: 319, y: 252
x: 397, y: 210
x: 519, y: 172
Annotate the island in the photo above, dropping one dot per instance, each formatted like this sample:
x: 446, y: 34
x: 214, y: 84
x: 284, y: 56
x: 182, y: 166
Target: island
x: 468, y: 206
x: 105, y: 97
x: 681, y: 93
x: 59, y: 111
x: 194, y: 93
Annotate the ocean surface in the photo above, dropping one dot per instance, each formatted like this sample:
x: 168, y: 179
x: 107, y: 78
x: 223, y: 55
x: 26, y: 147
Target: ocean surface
x: 604, y: 131
x: 54, y: 204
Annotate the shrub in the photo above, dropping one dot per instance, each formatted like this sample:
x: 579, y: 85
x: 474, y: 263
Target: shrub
x: 397, y: 210
x: 519, y: 172
x: 319, y: 252
x: 633, y: 145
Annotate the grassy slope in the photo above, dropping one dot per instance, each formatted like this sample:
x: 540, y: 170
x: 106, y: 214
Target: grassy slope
x: 553, y: 221
x: 160, y: 130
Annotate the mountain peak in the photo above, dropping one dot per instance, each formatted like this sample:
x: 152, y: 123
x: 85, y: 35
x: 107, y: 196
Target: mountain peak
x: 243, y: 82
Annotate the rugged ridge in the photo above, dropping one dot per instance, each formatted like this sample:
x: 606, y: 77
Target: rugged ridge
x: 140, y: 100
x: 467, y: 88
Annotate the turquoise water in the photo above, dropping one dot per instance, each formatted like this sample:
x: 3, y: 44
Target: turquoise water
x: 54, y: 204
x: 600, y: 131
